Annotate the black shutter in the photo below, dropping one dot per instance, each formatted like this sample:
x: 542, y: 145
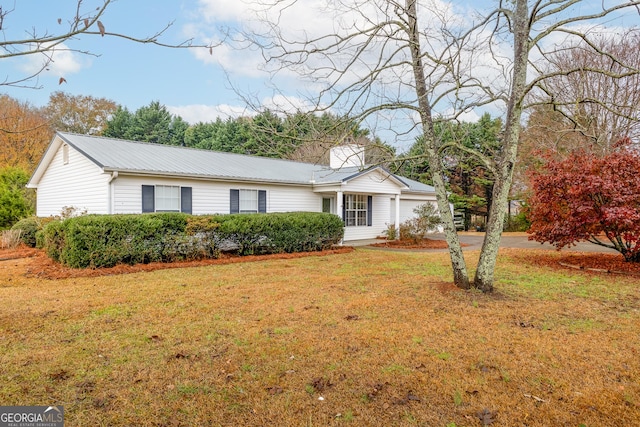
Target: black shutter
x: 369, y: 211
x: 185, y: 199
x: 235, y: 201
x: 344, y: 209
x: 262, y: 201
x: 148, y: 198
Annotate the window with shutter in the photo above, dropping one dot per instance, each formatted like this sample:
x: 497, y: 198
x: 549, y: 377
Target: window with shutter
x: 248, y: 201
x: 166, y: 198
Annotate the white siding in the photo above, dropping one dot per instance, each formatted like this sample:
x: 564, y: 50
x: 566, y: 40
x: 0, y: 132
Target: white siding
x: 380, y: 220
x: 213, y: 197
x: 381, y: 187
x: 406, y: 209
x: 372, y: 183
x: 79, y: 183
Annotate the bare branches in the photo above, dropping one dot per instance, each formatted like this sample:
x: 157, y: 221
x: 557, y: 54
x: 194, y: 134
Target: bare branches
x: 82, y: 23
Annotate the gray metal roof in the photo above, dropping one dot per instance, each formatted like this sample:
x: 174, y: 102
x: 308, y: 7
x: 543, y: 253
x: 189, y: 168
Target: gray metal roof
x: 148, y: 158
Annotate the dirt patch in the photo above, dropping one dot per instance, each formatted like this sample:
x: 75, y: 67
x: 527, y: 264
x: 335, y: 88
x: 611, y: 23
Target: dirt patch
x: 44, y: 267
x: 412, y: 244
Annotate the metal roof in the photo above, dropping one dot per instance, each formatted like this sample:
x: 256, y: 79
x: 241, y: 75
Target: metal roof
x: 147, y: 158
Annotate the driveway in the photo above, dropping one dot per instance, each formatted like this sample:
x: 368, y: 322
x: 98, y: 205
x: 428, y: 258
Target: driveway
x: 521, y: 241
x: 473, y: 241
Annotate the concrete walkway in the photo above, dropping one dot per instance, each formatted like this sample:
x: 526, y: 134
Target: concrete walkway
x: 473, y: 241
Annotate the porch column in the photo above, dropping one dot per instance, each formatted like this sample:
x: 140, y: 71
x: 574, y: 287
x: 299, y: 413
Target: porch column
x: 340, y: 208
x: 397, y: 224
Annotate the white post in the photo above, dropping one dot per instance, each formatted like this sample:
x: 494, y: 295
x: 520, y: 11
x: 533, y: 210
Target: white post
x: 340, y: 208
x: 397, y: 224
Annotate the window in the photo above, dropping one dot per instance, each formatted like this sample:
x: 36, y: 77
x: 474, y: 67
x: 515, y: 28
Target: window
x: 248, y: 201
x: 357, y: 210
x: 327, y: 205
x: 65, y: 154
x: 166, y: 198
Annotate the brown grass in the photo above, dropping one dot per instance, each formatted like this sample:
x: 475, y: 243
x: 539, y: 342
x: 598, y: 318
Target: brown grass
x: 382, y: 337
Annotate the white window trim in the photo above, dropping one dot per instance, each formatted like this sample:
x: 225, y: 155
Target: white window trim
x: 355, y: 210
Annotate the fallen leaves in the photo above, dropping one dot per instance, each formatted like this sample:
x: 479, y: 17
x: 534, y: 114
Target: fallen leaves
x: 321, y: 384
x: 411, y: 244
x: 409, y: 397
x: 375, y: 390
x: 43, y: 267
x: 486, y: 417
x: 597, y: 263
x: 275, y: 390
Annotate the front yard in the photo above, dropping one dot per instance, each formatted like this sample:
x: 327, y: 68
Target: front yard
x: 367, y: 337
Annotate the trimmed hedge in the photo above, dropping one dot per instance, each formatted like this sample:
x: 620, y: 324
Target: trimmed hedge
x: 280, y: 232
x: 106, y: 240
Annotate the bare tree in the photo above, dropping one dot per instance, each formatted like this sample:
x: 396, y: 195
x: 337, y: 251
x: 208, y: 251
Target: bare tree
x: 587, y: 106
x: 423, y: 59
x: 86, y: 21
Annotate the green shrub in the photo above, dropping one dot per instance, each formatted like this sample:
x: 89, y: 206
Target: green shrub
x: 30, y: 227
x: 16, y: 201
x: 414, y: 229
x: 106, y: 240
x: 279, y: 232
x: 390, y: 232
x: 54, y: 239
x: 427, y: 218
x: 518, y: 222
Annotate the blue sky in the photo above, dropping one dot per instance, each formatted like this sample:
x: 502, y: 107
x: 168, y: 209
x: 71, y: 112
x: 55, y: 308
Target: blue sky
x: 190, y: 83
x: 128, y: 73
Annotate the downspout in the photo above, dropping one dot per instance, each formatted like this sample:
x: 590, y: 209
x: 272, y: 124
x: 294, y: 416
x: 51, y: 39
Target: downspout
x: 113, y: 177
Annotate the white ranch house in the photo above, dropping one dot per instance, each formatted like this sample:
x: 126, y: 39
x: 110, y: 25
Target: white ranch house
x: 111, y: 176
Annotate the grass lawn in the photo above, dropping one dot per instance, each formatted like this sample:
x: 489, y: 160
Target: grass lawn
x: 367, y: 338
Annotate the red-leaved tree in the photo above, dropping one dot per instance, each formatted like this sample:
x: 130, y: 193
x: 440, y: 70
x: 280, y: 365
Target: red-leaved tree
x: 586, y: 197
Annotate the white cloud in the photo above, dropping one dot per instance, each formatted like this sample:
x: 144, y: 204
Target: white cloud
x: 241, y: 63
x: 63, y: 62
x: 222, y: 10
x: 485, y: 58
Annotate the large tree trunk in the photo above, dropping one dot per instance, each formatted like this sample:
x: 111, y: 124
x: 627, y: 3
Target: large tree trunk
x: 460, y: 275
x: 504, y: 175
